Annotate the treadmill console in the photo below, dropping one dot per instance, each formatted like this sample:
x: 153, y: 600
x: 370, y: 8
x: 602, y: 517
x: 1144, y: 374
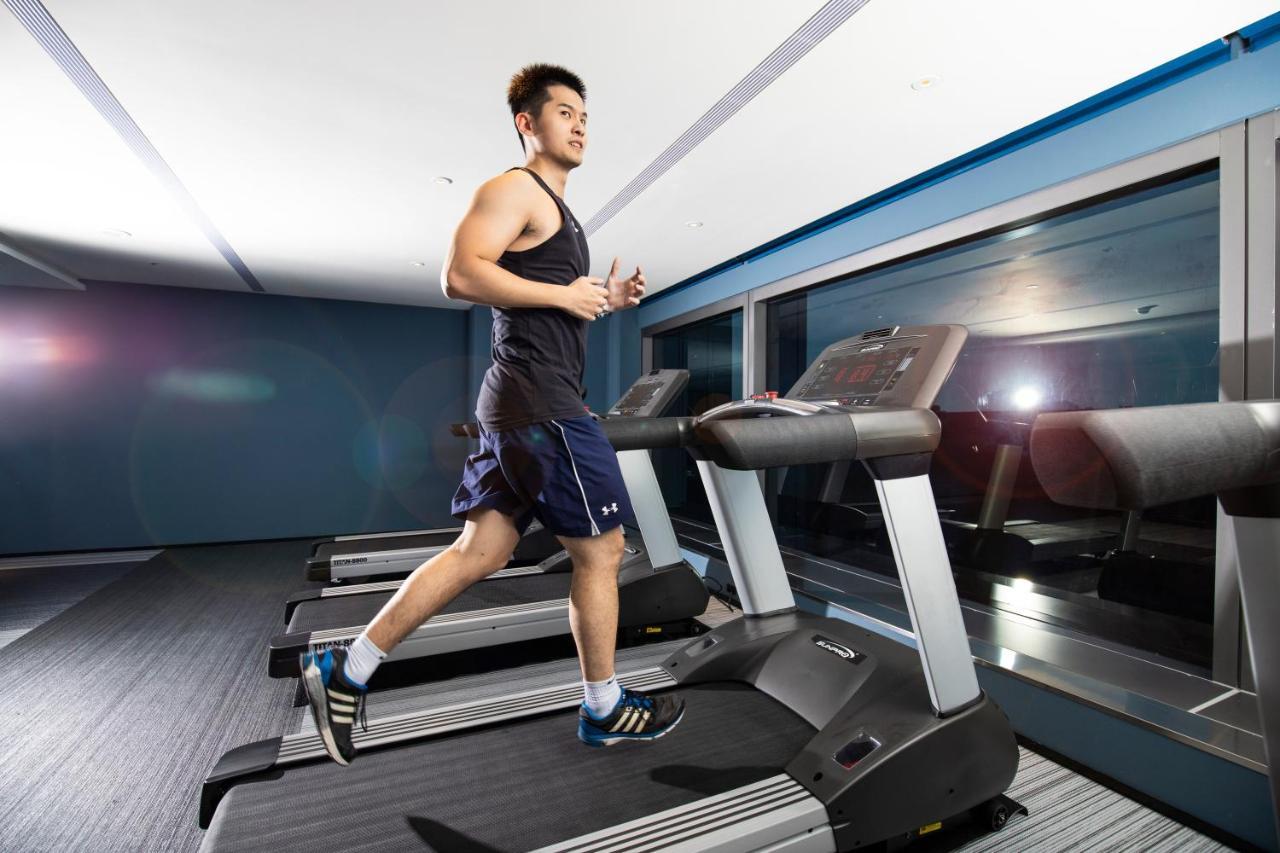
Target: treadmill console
x: 650, y: 395
x: 891, y: 368
x: 884, y: 367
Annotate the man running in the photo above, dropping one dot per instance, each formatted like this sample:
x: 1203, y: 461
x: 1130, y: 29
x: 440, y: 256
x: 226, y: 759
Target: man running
x: 520, y: 250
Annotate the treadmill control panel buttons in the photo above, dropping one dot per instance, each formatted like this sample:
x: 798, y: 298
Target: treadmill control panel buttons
x: 851, y: 655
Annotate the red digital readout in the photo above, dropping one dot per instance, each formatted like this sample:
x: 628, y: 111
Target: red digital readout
x: 861, y: 373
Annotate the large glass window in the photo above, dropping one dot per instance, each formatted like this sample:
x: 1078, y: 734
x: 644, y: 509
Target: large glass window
x: 711, y: 350
x: 1110, y: 305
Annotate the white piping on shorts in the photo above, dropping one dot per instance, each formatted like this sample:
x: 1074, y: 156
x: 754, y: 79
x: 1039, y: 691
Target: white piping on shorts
x: 595, y: 531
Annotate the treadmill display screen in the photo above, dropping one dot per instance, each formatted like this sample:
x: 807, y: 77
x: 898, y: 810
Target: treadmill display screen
x: 859, y: 375
x: 639, y: 396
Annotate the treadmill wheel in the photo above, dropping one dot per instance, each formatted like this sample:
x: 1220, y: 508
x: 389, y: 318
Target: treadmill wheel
x: 993, y: 814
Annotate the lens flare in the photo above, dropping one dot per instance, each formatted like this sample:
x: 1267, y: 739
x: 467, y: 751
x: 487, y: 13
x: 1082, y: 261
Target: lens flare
x: 1027, y: 397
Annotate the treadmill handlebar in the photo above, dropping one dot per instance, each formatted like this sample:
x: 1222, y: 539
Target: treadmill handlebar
x: 1131, y: 459
x: 759, y: 406
x: 647, y: 433
x: 749, y: 444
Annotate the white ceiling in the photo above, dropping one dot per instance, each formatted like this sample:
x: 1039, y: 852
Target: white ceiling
x: 309, y: 134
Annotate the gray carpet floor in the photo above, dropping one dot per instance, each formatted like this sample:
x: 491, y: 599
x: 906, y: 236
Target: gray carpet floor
x: 117, y: 707
x: 29, y: 597
x: 1068, y: 813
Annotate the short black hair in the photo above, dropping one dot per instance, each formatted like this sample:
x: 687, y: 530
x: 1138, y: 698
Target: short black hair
x: 528, y: 91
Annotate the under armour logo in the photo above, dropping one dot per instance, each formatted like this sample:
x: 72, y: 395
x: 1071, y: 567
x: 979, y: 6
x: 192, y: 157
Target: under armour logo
x: 611, y: 508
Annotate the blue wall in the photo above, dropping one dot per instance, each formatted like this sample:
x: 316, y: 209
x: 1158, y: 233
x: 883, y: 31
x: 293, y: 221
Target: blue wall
x: 135, y: 415
x: 1221, y: 95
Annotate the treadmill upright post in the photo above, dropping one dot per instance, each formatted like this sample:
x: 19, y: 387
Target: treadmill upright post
x: 1257, y: 543
x: 911, y: 518
x: 650, y: 508
x: 746, y: 532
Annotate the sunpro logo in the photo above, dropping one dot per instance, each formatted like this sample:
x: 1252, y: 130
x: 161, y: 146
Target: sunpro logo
x: 838, y: 650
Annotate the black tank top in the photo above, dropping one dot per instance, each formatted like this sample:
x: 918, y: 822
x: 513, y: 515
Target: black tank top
x: 538, y: 353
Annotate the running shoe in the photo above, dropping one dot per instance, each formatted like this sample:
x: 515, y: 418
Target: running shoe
x: 635, y: 717
x: 336, y: 703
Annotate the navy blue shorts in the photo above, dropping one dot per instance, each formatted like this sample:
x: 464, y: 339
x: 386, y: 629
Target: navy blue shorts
x: 565, y: 473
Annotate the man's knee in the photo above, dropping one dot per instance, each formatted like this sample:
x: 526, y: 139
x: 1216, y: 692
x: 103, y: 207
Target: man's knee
x: 477, y: 558
x: 598, y: 553
x: 486, y: 542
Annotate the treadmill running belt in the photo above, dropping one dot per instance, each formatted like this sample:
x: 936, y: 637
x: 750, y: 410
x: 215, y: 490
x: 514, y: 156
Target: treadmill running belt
x: 491, y: 790
x: 345, y: 611
x: 390, y: 543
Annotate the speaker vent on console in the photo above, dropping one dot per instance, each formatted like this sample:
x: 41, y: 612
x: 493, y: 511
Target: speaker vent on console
x: 886, y: 332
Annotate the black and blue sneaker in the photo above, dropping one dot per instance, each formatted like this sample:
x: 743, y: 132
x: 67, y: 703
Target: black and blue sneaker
x: 635, y: 717
x: 336, y: 703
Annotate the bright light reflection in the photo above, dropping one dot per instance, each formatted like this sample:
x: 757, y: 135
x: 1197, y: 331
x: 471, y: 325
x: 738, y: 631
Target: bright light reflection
x: 38, y: 350
x: 1027, y: 397
x: 1008, y: 658
x: 1020, y: 592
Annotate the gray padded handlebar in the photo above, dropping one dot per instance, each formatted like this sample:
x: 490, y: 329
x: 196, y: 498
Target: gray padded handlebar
x: 647, y: 433
x: 755, y: 443
x: 1131, y: 459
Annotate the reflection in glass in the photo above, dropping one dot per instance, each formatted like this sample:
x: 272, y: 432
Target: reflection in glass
x: 1111, y: 305
x: 711, y: 350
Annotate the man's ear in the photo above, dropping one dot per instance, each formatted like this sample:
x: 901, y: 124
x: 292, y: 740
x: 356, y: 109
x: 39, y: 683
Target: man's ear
x: 525, y: 124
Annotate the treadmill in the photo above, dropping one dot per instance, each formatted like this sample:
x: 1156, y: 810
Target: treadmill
x: 802, y: 733
x: 657, y: 589
x: 385, y: 555
x: 369, y: 555
x: 1132, y: 459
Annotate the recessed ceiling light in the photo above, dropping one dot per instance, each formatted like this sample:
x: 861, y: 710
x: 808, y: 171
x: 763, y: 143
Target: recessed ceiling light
x: 929, y: 81
x: 693, y: 223
x: 116, y: 232
x: 442, y: 180
x: 1033, y: 287
x: 417, y: 263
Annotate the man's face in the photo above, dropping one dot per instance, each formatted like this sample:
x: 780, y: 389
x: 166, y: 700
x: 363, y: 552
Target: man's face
x: 560, y: 131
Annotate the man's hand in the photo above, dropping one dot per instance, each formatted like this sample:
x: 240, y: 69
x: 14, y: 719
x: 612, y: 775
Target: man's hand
x: 624, y: 293
x: 584, y: 299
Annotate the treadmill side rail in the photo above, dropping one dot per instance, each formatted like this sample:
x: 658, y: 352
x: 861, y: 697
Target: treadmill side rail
x: 775, y: 814
x: 451, y: 718
x: 231, y: 768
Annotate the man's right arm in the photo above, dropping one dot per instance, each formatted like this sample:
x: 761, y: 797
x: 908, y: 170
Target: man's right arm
x: 498, y: 215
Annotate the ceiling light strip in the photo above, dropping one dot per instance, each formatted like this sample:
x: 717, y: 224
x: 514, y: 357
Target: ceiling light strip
x: 824, y: 22
x: 44, y: 29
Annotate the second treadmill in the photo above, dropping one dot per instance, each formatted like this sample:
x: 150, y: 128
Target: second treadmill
x: 656, y: 586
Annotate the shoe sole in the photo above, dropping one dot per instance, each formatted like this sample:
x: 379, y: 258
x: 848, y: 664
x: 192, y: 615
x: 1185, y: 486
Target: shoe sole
x: 313, y: 686
x: 635, y: 738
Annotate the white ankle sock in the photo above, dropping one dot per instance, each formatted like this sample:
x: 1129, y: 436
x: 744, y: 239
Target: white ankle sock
x: 363, y: 658
x: 601, y: 696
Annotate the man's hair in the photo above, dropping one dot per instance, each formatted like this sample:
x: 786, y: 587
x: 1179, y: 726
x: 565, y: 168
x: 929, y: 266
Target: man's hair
x: 528, y: 91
